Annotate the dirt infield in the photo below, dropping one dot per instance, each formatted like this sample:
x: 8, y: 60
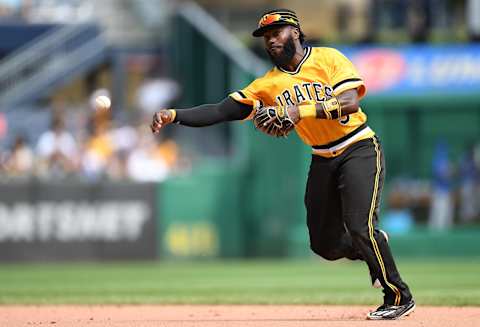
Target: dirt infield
x: 226, y: 315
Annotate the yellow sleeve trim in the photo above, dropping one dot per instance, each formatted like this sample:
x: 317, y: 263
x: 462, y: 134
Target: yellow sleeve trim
x: 359, y: 85
x: 239, y: 96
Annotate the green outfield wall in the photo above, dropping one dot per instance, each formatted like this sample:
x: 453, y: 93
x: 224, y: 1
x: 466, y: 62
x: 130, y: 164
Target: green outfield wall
x: 410, y: 127
x: 208, y: 216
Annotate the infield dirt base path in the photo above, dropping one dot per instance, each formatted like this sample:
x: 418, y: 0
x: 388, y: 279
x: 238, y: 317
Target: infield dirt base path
x: 227, y: 315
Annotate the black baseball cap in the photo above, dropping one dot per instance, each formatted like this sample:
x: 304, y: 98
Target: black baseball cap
x: 276, y: 17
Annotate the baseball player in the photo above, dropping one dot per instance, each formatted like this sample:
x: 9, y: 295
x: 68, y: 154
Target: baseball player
x: 318, y: 90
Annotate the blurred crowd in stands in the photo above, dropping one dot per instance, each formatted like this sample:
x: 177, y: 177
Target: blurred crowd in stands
x: 362, y: 21
x: 92, y: 150
x: 346, y: 21
x: 455, y: 186
x: 84, y: 143
x: 451, y: 196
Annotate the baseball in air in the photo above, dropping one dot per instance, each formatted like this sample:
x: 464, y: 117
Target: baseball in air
x: 102, y: 102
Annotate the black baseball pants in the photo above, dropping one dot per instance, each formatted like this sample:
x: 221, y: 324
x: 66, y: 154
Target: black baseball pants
x: 342, y: 200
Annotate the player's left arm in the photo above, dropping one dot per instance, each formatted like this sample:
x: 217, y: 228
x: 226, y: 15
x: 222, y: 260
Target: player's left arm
x: 344, y: 104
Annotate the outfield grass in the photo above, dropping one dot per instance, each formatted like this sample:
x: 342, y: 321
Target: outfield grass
x: 439, y: 282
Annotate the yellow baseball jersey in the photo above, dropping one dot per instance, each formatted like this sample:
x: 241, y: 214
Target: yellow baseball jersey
x: 322, y: 73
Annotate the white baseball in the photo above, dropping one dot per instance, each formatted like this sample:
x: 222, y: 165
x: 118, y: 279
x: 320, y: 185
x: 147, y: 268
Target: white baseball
x: 102, y: 102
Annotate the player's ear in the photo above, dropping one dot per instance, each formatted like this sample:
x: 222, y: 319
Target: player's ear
x: 295, y: 33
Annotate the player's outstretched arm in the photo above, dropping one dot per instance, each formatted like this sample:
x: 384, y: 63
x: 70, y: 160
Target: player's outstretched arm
x: 204, y: 115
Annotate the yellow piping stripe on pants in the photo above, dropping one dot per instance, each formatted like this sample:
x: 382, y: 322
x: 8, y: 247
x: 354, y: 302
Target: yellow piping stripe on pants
x: 370, y: 228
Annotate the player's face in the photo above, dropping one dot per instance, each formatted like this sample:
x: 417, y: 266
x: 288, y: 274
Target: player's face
x: 279, y: 44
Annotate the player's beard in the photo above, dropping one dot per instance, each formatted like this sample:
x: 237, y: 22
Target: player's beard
x: 286, y: 56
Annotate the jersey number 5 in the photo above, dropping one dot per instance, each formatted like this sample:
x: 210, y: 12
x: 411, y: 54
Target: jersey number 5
x: 344, y: 120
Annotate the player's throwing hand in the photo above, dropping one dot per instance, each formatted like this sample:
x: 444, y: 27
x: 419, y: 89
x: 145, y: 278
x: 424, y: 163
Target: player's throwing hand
x: 162, y: 118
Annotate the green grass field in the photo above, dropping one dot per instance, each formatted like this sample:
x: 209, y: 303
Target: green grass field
x: 439, y: 282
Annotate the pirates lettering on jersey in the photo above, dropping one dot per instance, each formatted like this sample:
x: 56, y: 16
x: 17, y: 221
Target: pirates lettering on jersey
x: 299, y: 94
x: 307, y: 90
x: 329, y: 91
x: 318, y: 92
x: 288, y: 98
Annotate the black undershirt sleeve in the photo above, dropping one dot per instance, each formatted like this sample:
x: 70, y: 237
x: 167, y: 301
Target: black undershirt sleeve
x: 209, y: 114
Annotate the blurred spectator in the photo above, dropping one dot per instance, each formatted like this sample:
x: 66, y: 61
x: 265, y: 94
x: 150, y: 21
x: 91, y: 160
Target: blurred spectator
x: 99, y: 148
x: 381, y: 14
x: 472, y: 13
x: 57, y: 151
x: 149, y: 161
x: 19, y: 162
x: 469, y: 187
x: 441, y: 210
x: 124, y: 140
x: 156, y: 93
x: 168, y: 151
x: 419, y: 20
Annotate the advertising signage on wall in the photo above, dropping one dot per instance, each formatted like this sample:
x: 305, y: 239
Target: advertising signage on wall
x: 72, y: 221
x: 75, y: 221
x: 418, y: 70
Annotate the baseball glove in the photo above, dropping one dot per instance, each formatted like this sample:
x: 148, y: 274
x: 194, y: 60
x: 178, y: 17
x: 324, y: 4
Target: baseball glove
x: 273, y: 121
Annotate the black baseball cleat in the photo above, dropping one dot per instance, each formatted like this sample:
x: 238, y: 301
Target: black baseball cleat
x: 392, y: 312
